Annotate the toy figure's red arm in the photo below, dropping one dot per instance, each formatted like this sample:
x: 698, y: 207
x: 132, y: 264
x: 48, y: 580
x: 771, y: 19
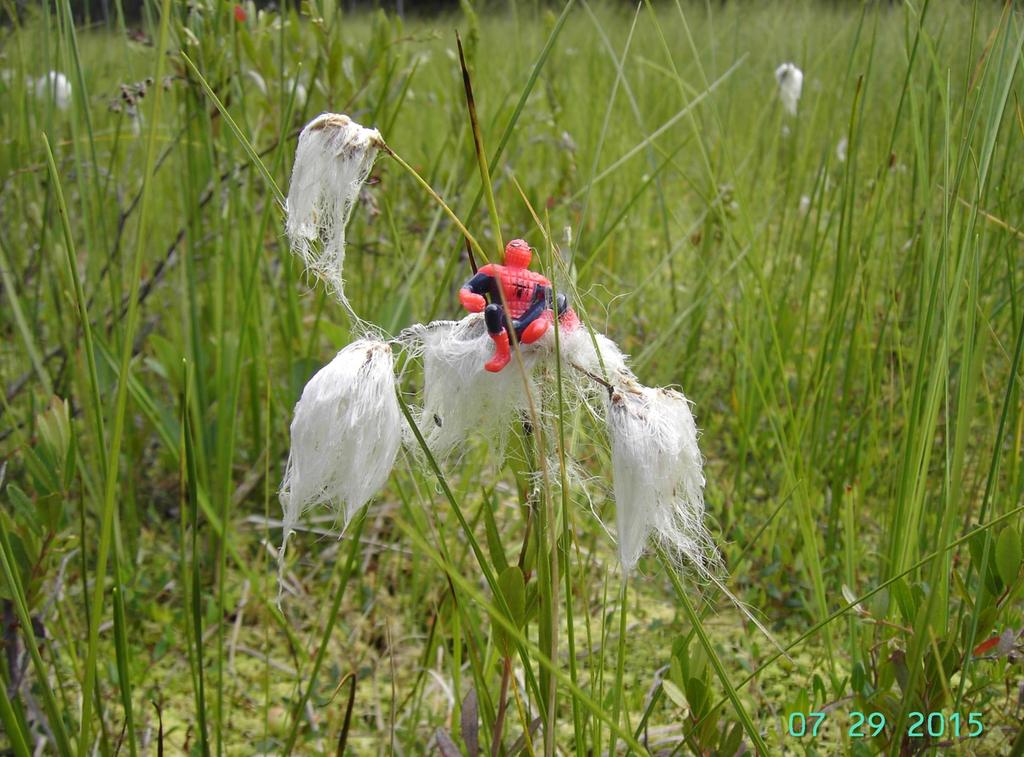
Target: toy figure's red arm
x: 472, y: 293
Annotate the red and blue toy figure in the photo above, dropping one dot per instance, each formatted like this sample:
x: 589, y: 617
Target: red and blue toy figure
x: 528, y: 296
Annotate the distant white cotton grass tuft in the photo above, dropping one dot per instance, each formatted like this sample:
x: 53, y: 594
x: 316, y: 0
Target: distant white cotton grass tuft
x: 658, y: 478
x: 345, y: 434
x: 461, y: 399
x: 333, y: 159
x: 300, y: 92
x: 257, y: 79
x: 841, y: 148
x: 54, y: 84
x: 791, y: 82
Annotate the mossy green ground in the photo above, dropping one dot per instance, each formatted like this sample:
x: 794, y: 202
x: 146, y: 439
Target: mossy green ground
x: 839, y: 294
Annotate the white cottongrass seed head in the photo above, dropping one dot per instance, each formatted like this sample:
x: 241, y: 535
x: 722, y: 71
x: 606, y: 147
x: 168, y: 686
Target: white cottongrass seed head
x: 658, y: 478
x: 345, y: 434
x: 791, y: 83
x: 54, y: 84
x: 460, y: 398
x: 332, y: 161
x: 595, y: 362
x: 595, y: 353
x: 257, y: 79
x: 841, y: 148
x: 300, y: 91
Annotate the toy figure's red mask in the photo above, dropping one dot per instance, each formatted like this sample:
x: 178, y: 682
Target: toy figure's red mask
x: 518, y: 254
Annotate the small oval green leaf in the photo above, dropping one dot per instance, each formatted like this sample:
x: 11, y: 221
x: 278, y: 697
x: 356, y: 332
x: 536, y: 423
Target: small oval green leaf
x: 674, y: 693
x: 513, y: 589
x: 512, y: 586
x: 1008, y: 555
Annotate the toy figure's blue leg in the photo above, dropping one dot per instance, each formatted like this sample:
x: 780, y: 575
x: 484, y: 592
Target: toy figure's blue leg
x: 494, y: 317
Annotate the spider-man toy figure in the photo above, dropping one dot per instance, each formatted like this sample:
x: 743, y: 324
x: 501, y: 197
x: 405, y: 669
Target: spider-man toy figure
x: 528, y: 296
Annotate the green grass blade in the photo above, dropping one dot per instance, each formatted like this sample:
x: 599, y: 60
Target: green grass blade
x: 120, y: 403
x: 723, y: 676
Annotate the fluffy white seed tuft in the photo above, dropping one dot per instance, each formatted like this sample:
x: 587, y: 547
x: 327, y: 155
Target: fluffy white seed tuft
x: 460, y: 398
x: 345, y: 434
x: 658, y: 478
x: 593, y: 364
x: 257, y: 79
x: 791, y: 83
x: 841, y: 148
x: 333, y: 159
x: 56, y: 85
x: 594, y: 353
